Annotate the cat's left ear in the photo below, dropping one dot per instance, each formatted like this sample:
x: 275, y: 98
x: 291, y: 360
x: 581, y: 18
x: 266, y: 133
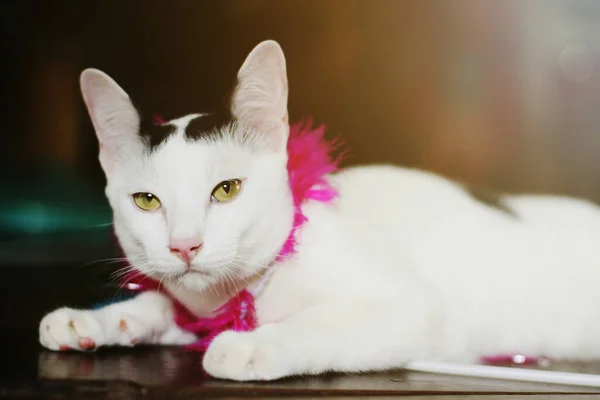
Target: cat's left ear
x: 260, y: 98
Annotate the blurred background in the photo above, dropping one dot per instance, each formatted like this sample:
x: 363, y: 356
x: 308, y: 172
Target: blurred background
x: 501, y: 93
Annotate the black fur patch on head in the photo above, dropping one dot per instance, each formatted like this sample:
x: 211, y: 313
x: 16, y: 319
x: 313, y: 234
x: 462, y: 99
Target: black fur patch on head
x: 155, y: 133
x: 208, y: 125
x: 491, y: 199
x: 202, y: 127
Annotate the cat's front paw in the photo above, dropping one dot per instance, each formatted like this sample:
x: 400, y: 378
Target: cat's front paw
x: 68, y: 329
x: 246, y: 356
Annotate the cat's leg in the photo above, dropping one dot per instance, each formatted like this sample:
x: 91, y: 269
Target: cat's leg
x: 147, y: 318
x: 331, y: 337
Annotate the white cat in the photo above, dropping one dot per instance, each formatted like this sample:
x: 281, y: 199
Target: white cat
x: 403, y: 265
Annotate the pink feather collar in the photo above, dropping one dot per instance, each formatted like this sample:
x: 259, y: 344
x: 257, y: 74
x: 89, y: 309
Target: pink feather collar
x: 309, y: 161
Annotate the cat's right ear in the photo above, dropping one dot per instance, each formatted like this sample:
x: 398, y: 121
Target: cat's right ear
x: 261, y: 95
x: 114, y: 117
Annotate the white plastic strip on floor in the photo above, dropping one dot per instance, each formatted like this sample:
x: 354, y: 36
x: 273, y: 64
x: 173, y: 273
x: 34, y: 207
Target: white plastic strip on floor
x: 517, y: 374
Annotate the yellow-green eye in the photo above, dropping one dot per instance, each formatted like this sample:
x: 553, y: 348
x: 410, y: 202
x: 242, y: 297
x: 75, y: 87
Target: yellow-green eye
x: 146, y: 201
x: 226, y: 190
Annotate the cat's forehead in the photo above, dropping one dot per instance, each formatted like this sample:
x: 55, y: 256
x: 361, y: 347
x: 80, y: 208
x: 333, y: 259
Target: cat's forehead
x: 198, y: 147
x: 203, y: 126
x: 192, y: 147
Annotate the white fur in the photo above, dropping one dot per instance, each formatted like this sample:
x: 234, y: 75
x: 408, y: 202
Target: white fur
x: 404, y: 266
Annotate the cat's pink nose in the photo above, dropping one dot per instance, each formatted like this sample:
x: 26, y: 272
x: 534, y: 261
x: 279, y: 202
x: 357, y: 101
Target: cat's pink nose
x: 186, y: 249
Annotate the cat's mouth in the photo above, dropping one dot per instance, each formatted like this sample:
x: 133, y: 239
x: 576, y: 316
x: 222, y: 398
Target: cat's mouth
x: 191, y: 271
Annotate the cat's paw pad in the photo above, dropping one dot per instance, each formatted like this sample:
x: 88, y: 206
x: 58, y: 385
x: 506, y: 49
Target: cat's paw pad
x: 245, y: 356
x: 68, y: 329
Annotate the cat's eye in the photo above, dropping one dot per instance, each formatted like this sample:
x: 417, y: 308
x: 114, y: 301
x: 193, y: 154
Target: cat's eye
x: 226, y: 190
x: 146, y: 201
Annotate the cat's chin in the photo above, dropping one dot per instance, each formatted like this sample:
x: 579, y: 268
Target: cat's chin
x: 196, y: 280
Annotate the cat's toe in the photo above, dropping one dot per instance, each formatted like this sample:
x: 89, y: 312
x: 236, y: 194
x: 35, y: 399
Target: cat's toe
x: 132, y: 330
x: 245, y: 356
x: 68, y: 329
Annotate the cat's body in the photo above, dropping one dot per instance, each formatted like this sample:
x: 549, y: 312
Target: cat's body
x: 403, y: 265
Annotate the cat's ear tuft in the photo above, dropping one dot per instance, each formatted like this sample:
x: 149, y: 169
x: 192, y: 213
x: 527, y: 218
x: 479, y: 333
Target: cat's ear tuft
x: 260, y: 98
x: 113, y: 115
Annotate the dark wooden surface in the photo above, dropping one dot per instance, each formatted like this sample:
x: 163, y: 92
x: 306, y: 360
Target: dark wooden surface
x: 27, y: 371
x: 153, y: 373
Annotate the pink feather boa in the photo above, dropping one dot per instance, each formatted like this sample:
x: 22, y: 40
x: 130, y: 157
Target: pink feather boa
x: 309, y: 161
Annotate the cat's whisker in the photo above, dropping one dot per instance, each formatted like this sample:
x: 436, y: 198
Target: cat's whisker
x: 228, y: 279
x: 101, y: 225
x: 122, y: 273
x: 118, y: 280
x: 233, y: 277
x: 160, y: 282
x: 252, y: 268
x: 125, y: 272
x: 104, y: 261
x: 122, y: 270
x: 214, y: 288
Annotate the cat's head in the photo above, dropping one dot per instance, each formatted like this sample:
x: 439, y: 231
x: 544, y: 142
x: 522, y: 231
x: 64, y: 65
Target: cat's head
x: 195, y: 202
